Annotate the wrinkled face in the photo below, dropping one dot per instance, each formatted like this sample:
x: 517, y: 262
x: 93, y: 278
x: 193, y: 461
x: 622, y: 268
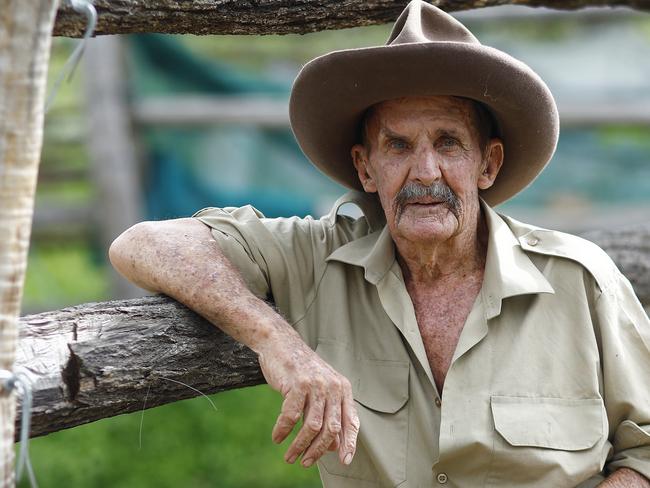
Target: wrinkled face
x: 422, y: 156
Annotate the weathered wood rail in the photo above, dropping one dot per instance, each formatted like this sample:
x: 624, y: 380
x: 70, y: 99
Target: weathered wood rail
x: 271, y: 16
x: 98, y: 360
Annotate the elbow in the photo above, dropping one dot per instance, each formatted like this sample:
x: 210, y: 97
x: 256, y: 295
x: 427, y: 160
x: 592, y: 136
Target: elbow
x: 148, y: 253
x: 127, y: 250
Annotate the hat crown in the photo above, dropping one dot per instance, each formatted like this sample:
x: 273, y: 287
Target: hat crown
x: 422, y: 22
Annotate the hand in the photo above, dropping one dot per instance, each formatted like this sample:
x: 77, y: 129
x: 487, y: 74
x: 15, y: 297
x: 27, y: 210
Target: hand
x: 311, y: 388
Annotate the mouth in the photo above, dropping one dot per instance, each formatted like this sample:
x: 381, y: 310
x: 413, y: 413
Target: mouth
x: 424, y: 208
x: 425, y: 202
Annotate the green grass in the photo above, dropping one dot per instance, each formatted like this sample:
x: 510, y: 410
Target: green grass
x: 187, y: 443
x: 60, y: 275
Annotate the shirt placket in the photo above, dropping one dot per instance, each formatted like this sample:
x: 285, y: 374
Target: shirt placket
x: 456, y: 391
x: 399, y: 307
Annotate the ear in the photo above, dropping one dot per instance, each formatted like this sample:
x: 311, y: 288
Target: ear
x: 361, y: 163
x: 491, y: 164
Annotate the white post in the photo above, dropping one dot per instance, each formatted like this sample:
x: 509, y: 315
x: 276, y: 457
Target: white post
x: 25, y: 36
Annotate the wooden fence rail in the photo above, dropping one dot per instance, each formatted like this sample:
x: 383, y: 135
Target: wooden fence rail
x: 97, y: 360
x: 271, y: 16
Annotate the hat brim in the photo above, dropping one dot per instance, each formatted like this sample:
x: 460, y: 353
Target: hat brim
x: 332, y: 92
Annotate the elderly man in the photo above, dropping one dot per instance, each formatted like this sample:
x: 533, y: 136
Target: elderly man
x: 464, y: 348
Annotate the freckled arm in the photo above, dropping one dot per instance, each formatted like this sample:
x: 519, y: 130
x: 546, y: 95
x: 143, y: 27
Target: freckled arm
x: 180, y: 258
x: 625, y: 478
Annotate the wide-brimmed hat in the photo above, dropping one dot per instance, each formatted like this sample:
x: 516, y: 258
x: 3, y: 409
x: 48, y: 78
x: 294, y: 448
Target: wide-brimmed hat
x: 428, y: 53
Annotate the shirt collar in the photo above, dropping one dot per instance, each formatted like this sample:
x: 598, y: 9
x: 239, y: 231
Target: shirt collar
x: 508, y: 270
x: 375, y: 253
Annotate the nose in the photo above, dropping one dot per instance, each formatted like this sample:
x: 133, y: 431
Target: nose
x: 426, y: 167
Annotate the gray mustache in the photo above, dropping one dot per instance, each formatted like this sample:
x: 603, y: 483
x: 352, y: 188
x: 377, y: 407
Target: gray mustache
x: 438, y: 192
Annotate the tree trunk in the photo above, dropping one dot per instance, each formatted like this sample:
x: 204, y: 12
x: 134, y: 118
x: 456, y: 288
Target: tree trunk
x: 271, y: 16
x: 25, y: 34
x: 98, y: 360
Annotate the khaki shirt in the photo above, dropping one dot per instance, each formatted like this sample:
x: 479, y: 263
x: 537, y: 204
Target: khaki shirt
x: 550, y: 381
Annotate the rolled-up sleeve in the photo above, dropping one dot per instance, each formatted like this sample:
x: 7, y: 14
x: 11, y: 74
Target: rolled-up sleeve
x: 625, y: 344
x: 279, y: 259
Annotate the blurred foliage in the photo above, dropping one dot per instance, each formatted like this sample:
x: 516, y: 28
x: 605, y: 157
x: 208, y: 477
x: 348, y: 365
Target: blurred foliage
x: 73, y: 192
x: 63, y: 271
x: 187, y: 443
x: 63, y: 274
x: 628, y: 135
x: 269, y: 53
x: 616, y: 172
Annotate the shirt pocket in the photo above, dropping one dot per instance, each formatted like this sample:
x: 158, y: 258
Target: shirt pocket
x: 380, y: 390
x: 546, y: 441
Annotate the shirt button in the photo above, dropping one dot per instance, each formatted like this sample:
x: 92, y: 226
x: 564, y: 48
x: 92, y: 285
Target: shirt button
x: 533, y: 241
x: 437, y: 402
x: 442, y: 478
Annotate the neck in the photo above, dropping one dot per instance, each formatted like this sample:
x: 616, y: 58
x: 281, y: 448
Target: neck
x: 459, y: 256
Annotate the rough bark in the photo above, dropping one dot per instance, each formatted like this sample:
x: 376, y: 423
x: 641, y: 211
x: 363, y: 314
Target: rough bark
x: 271, y: 16
x: 25, y: 33
x: 630, y: 249
x: 102, y: 359
x: 98, y: 360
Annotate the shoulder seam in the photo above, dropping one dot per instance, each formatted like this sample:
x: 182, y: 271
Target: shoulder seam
x: 604, y: 279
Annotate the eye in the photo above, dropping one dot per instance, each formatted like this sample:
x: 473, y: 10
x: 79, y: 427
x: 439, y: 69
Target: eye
x: 448, y: 144
x: 398, y: 144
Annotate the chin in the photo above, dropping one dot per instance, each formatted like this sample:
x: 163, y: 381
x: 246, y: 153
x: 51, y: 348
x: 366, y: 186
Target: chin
x: 427, y: 231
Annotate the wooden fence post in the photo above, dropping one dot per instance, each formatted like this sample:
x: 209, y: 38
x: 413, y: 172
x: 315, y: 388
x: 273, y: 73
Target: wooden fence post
x: 25, y: 36
x: 113, y: 158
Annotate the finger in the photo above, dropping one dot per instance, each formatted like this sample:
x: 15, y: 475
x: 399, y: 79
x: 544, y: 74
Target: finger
x: 292, y: 408
x: 349, y: 427
x: 334, y: 446
x: 311, y: 427
x: 330, y: 430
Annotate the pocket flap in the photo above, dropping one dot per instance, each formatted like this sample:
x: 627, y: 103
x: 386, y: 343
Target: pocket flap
x: 378, y: 384
x: 630, y: 435
x: 552, y: 423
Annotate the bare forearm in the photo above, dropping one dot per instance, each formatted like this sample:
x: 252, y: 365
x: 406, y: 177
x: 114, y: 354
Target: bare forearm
x: 625, y: 478
x: 181, y: 259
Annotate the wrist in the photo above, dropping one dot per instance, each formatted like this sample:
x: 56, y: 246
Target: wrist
x: 274, y: 336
